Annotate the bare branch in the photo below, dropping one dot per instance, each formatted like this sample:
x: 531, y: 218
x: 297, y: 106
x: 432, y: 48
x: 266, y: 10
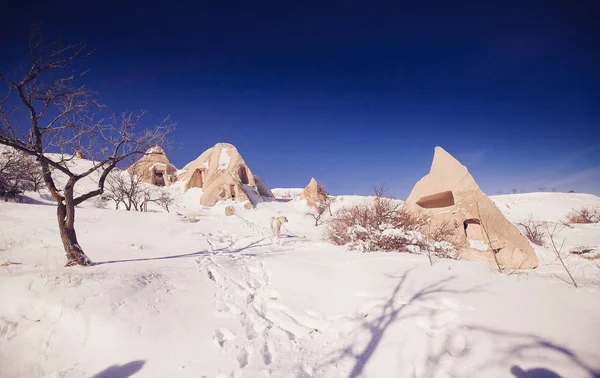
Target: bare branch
x: 62, y: 120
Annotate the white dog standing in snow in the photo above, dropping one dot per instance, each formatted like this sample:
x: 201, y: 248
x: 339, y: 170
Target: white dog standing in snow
x: 276, y: 223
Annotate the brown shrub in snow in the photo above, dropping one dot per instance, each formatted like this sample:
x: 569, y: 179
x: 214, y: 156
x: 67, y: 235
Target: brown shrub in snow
x: 534, y: 231
x: 383, y: 224
x: 585, y: 215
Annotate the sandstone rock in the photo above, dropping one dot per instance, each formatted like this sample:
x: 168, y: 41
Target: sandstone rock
x: 313, y: 193
x: 579, y: 219
x: 449, y: 195
x: 229, y: 211
x: 222, y: 174
x: 154, y: 168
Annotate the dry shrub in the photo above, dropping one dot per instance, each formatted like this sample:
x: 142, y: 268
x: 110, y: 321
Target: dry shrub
x: 385, y: 225
x: 534, y: 231
x: 585, y: 215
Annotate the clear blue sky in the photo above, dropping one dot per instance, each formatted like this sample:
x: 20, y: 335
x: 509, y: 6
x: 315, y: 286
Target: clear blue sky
x: 353, y: 93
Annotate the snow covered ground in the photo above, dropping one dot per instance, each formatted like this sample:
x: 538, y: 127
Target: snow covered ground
x: 194, y: 293
x: 287, y: 192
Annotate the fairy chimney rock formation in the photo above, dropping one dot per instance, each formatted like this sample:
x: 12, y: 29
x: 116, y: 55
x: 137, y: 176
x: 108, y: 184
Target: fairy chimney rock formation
x: 449, y: 195
x: 222, y: 174
x: 154, y: 168
x: 313, y: 193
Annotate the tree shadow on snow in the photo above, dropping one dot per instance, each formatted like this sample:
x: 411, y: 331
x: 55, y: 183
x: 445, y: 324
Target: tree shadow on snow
x: 503, y: 349
x: 517, y: 372
x: 395, y: 309
x: 121, y: 371
x: 223, y: 250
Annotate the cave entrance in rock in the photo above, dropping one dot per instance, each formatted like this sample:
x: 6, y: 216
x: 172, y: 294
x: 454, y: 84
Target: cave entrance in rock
x: 441, y: 199
x: 232, y: 191
x: 473, y: 229
x: 197, y: 180
x: 243, y: 174
x: 158, y: 178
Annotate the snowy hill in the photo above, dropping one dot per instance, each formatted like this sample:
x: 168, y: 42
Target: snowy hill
x: 292, y: 193
x: 195, y: 293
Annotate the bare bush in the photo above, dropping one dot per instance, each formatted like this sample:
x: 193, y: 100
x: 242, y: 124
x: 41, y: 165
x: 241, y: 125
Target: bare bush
x: 534, y: 231
x: 439, y: 241
x: 585, y: 215
x: 101, y: 202
x: 557, y: 250
x: 328, y: 200
x: 322, y: 206
x: 385, y: 225
x: 159, y: 196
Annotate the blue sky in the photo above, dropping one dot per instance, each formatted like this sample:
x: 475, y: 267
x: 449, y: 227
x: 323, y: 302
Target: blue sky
x: 352, y: 93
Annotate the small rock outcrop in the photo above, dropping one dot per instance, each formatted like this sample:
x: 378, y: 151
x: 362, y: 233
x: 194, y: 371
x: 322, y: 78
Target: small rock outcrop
x: 154, y: 168
x: 449, y: 196
x: 313, y: 193
x: 229, y: 211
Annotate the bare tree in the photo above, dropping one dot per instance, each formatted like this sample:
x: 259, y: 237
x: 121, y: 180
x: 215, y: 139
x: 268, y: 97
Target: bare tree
x: 328, y: 199
x: 160, y: 197
x: 33, y: 173
x: 11, y: 180
x: 61, y: 119
x: 18, y: 173
x: 126, y: 189
x: 317, y: 213
x: 130, y: 191
x: 514, y: 191
x: 557, y: 250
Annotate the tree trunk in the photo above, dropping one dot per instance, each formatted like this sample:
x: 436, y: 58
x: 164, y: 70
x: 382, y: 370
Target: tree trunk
x: 66, y: 222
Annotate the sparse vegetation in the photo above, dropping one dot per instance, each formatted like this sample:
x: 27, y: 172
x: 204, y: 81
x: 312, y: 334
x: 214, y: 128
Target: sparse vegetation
x: 322, y: 206
x: 557, y: 250
x: 585, y: 215
x: 383, y: 224
x: 18, y: 173
x: 128, y: 190
x: 533, y: 230
x: 317, y: 213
